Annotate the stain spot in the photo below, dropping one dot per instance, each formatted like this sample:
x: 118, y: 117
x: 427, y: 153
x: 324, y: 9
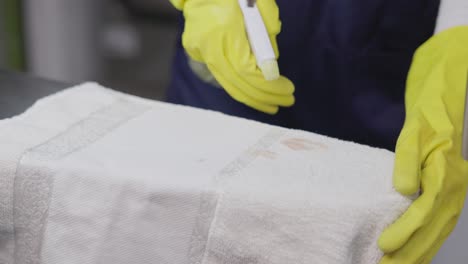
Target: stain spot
x: 302, y: 144
x: 266, y: 154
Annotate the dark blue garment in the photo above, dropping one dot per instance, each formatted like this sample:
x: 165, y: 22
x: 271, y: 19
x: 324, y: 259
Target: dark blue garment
x: 349, y: 61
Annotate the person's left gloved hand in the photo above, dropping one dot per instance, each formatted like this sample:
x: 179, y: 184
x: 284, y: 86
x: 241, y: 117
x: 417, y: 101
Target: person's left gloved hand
x: 428, y: 152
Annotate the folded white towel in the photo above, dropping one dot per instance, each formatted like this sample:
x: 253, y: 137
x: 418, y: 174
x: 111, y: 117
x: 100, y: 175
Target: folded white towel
x: 90, y: 175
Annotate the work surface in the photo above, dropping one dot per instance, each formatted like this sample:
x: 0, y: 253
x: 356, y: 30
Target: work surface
x: 19, y: 91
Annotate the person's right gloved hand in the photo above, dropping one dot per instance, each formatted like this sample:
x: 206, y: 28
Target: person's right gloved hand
x: 215, y: 35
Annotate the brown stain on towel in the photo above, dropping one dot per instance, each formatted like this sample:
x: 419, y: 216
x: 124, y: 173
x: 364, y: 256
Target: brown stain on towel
x: 266, y: 154
x: 302, y: 144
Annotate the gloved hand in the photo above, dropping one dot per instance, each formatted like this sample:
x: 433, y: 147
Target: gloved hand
x: 215, y: 35
x: 428, y: 152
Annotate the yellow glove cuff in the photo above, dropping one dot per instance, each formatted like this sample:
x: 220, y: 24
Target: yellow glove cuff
x: 450, y: 45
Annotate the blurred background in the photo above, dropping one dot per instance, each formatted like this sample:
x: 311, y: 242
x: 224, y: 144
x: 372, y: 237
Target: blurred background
x: 124, y: 44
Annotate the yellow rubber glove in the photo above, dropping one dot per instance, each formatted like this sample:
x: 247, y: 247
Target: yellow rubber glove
x: 428, y: 152
x: 215, y: 35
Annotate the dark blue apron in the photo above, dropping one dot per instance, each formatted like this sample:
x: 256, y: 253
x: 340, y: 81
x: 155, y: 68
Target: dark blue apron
x: 348, y: 60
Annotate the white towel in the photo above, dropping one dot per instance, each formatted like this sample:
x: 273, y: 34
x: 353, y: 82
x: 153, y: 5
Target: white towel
x: 90, y: 175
